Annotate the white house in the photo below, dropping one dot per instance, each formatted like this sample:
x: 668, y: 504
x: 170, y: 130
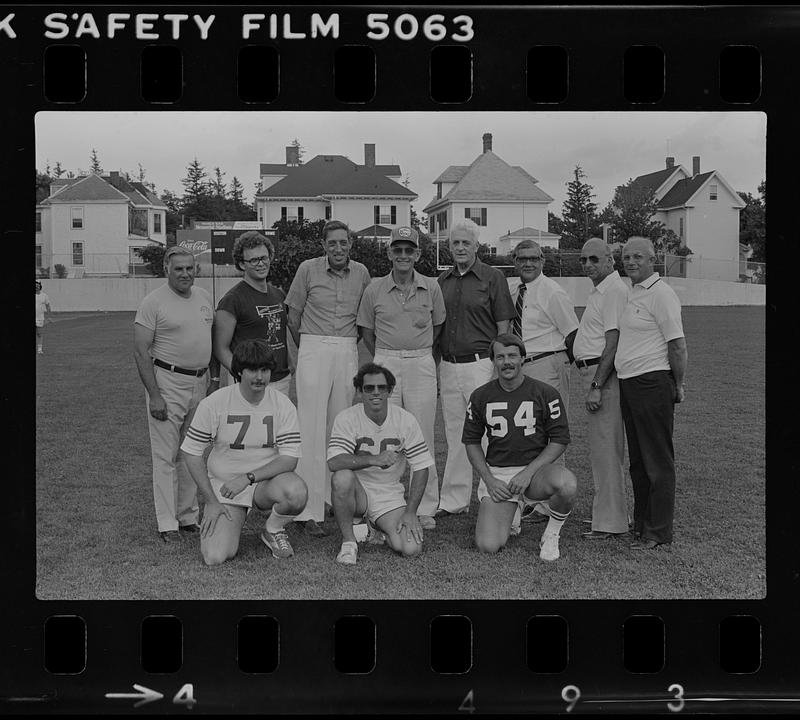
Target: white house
x: 367, y: 197
x: 91, y: 225
x: 702, y: 209
x: 504, y: 200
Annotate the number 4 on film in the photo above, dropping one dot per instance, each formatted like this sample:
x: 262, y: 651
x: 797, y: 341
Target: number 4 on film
x: 468, y: 703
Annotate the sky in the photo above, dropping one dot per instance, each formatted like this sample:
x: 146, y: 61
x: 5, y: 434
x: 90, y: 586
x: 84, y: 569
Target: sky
x: 611, y: 147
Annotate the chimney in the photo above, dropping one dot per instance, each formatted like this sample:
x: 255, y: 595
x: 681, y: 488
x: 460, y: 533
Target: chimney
x: 670, y: 162
x: 369, y: 155
x: 487, y: 141
x: 695, y: 165
x: 292, y: 155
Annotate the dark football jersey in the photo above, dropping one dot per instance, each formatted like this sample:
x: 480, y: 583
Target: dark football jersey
x: 519, y: 423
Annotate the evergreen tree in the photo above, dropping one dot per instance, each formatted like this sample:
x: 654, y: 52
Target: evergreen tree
x: 554, y: 224
x: 196, y: 197
x: 752, y: 222
x: 634, y: 206
x: 236, y: 192
x: 579, y: 212
x: 95, y: 163
x: 58, y: 171
x: 43, y: 181
x: 217, y: 185
x: 141, y: 175
x: 300, y: 150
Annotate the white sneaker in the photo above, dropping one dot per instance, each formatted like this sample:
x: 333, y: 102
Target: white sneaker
x: 368, y: 533
x: 516, y: 522
x: 427, y: 522
x: 515, y: 530
x: 549, y: 547
x: 348, y: 555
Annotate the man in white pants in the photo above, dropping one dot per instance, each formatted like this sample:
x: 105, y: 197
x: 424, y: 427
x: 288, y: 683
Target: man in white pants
x: 478, y: 307
x: 400, y: 318
x: 322, y: 305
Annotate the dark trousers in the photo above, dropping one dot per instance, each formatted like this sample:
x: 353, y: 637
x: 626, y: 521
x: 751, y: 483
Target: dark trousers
x: 648, y: 403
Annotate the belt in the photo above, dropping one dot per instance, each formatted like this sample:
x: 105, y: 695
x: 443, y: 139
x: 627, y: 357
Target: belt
x: 182, y: 371
x: 421, y: 352
x: 539, y: 356
x: 587, y: 363
x: 472, y: 357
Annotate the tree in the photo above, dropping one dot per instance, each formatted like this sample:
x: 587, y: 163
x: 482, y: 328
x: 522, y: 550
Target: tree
x: 196, y: 198
x: 217, y: 185
x: 300, y: 150
x: 43, y: 181
x: 237, y: 191
x: 95, y: 163
x: 297, y: 241
x: 153, y: 256
x: 554, y: 224
x: 579, y: 212
x: 58, y: 171
x: 752, y: 222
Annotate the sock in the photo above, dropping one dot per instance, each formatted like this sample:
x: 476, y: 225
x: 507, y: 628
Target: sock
x: 556, y: 521
x: 276, y: 521
x: 39, y: 347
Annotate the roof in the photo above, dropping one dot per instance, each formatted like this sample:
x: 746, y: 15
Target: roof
x: 655, y: 180
x: 681, y: 192
x: 281, y: 169
x: 374, y: 231
x: 490, y: 178
x: 90, y: 187
x: 453, y: 174
x: 529, y: 232
x: 335, y: 175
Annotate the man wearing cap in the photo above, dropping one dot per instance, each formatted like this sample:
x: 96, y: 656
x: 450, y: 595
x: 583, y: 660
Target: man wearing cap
x: 42, y: 305
x: 651, y: 363
x: 322, y: 305
x: 478, y: 307
x: 172, y: 349
x: 594, y: 348
x: 400, y: 318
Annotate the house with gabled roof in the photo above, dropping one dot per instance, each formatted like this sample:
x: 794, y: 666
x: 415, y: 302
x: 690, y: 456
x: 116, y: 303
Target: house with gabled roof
x: 702, y: 209
x: 368, y: 197
x: 92, y: 224
x: 504, y: 200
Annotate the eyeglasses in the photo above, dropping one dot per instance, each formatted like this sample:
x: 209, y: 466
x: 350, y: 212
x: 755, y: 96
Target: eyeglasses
x: 256, y: 261
x: 522, y: 259
x: 403, y: 250
x: 373, y: 388
x: 592, y: 259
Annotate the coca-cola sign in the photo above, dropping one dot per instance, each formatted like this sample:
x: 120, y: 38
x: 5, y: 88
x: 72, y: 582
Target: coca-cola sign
x: 195, y: 246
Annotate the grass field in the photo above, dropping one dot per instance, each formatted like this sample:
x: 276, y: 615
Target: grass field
x: 96, y: 536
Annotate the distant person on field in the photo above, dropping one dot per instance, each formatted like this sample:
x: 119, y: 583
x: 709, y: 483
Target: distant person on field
x: 42, y: 305
x: 650, y: 362
x: 527, y: 428
x: 172, y: 348
x: 255, y: 445
x: 253, y: 308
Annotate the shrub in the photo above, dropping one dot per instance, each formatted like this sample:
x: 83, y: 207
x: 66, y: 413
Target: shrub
x: 61, y: 270
x: 153, y: 256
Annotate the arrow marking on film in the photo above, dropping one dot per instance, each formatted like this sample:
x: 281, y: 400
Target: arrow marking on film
x: 143, y: 695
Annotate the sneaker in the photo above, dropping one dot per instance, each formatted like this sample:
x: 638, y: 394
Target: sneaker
x: 193, y: 528
x: 171, y: 536
x: 278, y: 543
x: 515, y: 530
x: 549, y: 547
x: 535, y: 513
x: 39, y: 351
x: 368, y: 533
x: 445, y: 513
x: 348, y: 555
x: 427, y: 522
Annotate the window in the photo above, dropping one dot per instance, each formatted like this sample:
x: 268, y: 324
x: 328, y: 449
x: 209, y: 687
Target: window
x: 77, y: 253
x: 292, y: 213
x: 477, y: 215
x: 492, y: 250
x: 133, y: 256
x: 442, y: 220
x: 680, y: 228
x: 77, y: 218
x: 385, y: 214
x: 438, y: 190
x: 712, y: 192
x: 38, y: 255
x: 157, y: 222
x: 327, y: 212
x: 38, y: 222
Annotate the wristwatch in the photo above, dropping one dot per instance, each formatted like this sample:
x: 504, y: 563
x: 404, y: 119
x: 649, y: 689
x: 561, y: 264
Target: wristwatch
x: 251, y: 478
x: 595, y: 385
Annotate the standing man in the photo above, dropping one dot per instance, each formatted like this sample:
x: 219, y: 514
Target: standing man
x: 400, y: 318
x: 528, y: 430
x: 322, y: 306
x: 651, y: 363
x: 42, y: 305
x: 254, y: 309
x: 172, y: 348
x: 478, y: 307
x: 594, y: 348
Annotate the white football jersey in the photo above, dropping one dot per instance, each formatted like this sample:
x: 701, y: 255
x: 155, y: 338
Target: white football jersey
x: 354, y: 433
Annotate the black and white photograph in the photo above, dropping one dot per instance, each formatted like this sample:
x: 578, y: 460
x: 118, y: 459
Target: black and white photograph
x: 400, y: 355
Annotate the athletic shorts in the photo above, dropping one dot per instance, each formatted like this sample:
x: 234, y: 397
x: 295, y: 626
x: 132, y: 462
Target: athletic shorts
x: 243, y: 499
x: 382, y: 498
x: 505, y: 474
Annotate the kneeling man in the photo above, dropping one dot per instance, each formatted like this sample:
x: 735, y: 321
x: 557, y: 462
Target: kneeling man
x: 367, y: 453
x: 527, y: 431
x: 256, y: 443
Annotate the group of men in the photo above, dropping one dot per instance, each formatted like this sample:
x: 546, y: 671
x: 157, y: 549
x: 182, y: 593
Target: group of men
x: 503, y: 347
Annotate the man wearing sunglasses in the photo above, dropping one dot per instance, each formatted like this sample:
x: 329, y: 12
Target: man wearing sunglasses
x: 595, y: 347
x: 253, y: 309
x: 370, y: 444
x: 400, y: 318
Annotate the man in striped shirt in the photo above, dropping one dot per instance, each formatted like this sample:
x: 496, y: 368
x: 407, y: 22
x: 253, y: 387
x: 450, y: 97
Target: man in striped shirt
x: 367, y: 453
x: 255, y: 446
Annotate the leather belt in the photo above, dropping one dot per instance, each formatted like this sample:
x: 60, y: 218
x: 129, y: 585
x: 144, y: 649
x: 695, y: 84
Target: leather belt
x: 472, y: 357
x: 587, y: 363
x: 539, y: 356
x: 182, y: 371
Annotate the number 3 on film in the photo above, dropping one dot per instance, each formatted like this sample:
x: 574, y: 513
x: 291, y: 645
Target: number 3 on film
x: 570, y: 695
x: 185, y: 696
x: 678, y: 705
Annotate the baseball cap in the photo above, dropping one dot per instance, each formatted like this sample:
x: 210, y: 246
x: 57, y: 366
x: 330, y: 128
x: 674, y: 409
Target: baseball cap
x: 404, y: 234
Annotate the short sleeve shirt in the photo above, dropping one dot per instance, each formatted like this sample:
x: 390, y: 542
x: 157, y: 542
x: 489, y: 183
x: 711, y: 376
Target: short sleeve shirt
x: 474, y: 302
x: 259, y: 316
x: 399, y: 323
x: 651, y: 318
x: 41, y: 301
x: 547, y: 314
x: 519, y: 423
x: 603, y: 311
x: 181, y: 326
x: 328, y: 299
x: 353, y: 433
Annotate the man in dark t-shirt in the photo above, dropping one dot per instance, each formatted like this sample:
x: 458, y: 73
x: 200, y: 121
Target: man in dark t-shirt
x: 527, y: 429
x: 253, y: 309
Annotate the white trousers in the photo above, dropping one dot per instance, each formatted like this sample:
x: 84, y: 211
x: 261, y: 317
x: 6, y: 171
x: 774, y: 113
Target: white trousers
x: 326, y: 367
x: 458, y: 381
x: 553, y: 370
x: 416, y: 392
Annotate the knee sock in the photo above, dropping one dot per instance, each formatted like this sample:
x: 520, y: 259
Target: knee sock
x: 276, y: 521
x: 556, y: 521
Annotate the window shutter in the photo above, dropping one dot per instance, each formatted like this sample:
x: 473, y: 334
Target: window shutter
x: 283, y: 213
x: 483, y: 217
x: 377, y: 214
x: 394, y: 214
x: 466, y: 213
x: 300, y: 214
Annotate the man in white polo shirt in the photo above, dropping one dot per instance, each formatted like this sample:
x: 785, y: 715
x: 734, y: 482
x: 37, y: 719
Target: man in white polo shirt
x: 400, y: 318
x: 651, y: 363
x: 594, y: 348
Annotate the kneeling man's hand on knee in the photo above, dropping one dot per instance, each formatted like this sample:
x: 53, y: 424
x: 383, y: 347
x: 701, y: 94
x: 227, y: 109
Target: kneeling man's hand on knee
x: 212, y: 513
x: 410, y: 523
x: 498, y: 490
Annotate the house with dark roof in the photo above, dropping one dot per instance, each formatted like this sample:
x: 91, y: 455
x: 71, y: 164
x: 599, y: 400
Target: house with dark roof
x: 702, y: 209
x: 504, y: 200
x: 368, y: 197
x: 91, y: 224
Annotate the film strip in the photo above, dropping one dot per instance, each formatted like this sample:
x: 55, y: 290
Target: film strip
x: 369, y: 647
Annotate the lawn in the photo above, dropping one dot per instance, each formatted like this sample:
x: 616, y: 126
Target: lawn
x: 96, y: 536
